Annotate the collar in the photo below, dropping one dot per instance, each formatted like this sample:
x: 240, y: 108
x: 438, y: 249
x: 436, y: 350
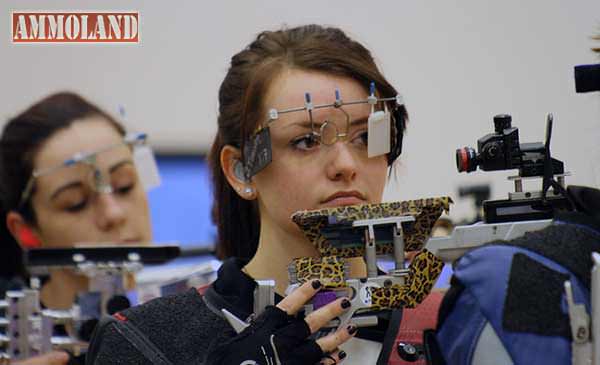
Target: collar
x: 233, y: 289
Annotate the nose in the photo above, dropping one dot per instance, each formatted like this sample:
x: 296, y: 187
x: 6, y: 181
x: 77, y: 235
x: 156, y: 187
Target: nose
x: 110, y: 212
x: 342, y: 164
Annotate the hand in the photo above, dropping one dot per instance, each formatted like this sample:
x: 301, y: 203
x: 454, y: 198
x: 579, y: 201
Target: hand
x: 278, y: 337
x: 51, y: 358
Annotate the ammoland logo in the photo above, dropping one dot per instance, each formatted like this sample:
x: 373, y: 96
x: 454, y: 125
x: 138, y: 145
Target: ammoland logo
x: 75, y: 27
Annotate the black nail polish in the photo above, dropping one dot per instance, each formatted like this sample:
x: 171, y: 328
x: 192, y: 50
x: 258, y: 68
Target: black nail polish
x: 316, y: 284
x: 352, y: 329
x: 346, y: 304
x: 341, y: 354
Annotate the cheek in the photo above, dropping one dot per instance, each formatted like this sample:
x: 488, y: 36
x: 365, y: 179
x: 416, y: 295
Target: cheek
x: 291, y: 185
x: 64, y: 230
x: 138, y: 214
x: 287, y: 189
x: 376, y: 174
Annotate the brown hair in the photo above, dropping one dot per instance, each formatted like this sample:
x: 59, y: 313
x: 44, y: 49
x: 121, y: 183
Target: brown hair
x: 309, y: 47
x: 21, y: 139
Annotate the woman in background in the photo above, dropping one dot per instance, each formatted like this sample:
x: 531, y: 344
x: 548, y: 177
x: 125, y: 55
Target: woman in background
x: 47, y: 203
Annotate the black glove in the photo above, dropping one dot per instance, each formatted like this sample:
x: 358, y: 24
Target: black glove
x: 274, y: 338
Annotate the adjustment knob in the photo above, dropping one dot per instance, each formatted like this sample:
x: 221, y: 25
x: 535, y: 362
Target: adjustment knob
x: 502, y: 122
x: 409, y: 352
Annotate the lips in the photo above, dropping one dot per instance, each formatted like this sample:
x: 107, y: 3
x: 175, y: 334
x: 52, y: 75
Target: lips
x: 342, y: 198
x: 131, y: 240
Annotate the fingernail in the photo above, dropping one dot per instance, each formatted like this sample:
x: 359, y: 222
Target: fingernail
x: 342, y: 354
x: 316, y: 284
x: 351, y: 329
x: 346, y: 304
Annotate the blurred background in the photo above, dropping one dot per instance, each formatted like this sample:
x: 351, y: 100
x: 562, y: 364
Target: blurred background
x: 457, y: 63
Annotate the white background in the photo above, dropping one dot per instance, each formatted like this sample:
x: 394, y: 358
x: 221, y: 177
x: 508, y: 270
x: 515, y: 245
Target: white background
x: 457, y: 63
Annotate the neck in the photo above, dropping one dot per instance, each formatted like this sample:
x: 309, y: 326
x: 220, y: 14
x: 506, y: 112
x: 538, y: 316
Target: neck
x: 276, y: 250
x: 61, y: 290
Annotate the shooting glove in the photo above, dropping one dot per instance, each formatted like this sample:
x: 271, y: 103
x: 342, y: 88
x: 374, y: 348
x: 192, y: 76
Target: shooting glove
x: 274, y: 338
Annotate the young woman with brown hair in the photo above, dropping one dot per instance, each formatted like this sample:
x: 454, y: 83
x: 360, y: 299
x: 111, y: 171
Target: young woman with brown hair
x: 271, y: 158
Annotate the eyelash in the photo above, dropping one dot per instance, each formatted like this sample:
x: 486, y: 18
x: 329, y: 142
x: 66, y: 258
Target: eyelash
x: 124, y: 190
x: 363, y: 136
x: 81, y: 206
x: 77, y: 207
x: 295, y: 143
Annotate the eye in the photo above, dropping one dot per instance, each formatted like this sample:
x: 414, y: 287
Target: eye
x: 306, y: 142
x: 75, y: 208
x: 125, y: 189
x: 361, y: 138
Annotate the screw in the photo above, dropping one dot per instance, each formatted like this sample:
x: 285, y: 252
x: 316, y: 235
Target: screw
x: 581, y: 333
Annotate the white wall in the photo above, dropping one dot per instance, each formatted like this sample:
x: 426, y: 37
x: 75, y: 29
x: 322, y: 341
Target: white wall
x: 457, y: 63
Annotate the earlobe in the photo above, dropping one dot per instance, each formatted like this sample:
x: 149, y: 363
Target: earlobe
x: 21, y: 231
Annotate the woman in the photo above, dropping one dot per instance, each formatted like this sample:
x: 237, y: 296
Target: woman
x: 261, y: 176
x: 48, y: 203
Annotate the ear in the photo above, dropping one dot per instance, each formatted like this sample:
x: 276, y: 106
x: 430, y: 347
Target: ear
x: 230, y: 161
x: 26, y: 235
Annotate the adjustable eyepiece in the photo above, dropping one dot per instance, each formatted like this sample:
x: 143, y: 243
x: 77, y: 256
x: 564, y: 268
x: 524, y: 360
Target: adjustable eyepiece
x: 466, y: 159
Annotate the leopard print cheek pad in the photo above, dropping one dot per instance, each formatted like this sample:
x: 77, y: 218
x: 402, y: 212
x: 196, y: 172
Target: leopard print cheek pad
x: 425, y: 211
x: 423, y: 273
x: 330, y: 270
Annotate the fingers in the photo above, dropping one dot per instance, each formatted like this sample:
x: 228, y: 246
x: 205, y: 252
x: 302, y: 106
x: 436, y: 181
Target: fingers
x: 323, y: 315
x: 292, y: 303
x: 333, y: 358
x: 410, y: 255
x: 331, y: 342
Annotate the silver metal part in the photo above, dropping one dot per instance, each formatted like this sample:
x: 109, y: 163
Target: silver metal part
x: 29, y: 329
x: 361, y: 296
x: 464, y: 238
x: 108, y: 285
x: 370, y: 252
x: 26, y: 329
x: 363, y: 321
x: 595, y: 295
x: 519, y: 194
x: 581, y: 348
x: 107, y: 278
x: 237, y: 324
x: 399, y: 257
x: 264, y: 295
x: 370, y: 239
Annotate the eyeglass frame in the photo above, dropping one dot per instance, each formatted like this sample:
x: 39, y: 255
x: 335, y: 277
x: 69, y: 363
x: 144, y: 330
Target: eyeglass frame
x: 130, y: 139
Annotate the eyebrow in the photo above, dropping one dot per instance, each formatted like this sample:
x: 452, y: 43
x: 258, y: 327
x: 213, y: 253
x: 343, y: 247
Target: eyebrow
x: 307, y: 123
x: 79, y: 184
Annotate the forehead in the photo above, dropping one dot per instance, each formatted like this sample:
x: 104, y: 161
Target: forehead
x: 288, y: 89
x: 82, y: 136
